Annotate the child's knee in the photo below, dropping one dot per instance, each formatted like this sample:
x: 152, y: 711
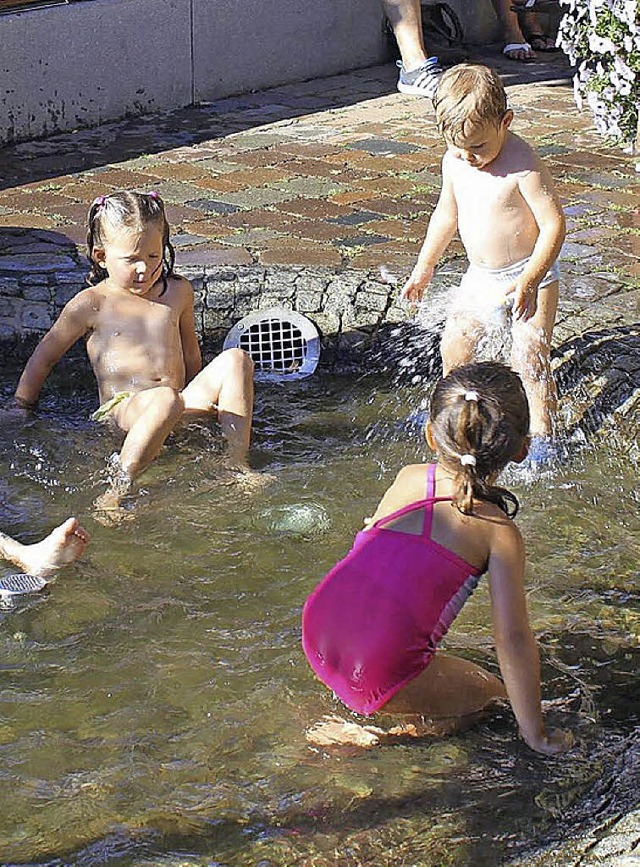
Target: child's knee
x: 167, y: 402
x: 238, y: 361
x: 456, y: 346
x: 531, y: 354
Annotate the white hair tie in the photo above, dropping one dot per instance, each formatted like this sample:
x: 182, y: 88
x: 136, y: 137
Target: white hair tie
x: 467, y: 460
x: 471, y: 395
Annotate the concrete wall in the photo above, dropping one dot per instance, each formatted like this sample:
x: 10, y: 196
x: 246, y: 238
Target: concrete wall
x: 263, y: 43
x: 79, y: 65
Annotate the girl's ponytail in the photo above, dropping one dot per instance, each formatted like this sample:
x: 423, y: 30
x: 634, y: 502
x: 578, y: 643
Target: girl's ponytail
x: 479, y: 420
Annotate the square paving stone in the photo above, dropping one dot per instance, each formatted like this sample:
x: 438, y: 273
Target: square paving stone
x: 383, y: 146
x: 287, y: 252
x: 185, y: 239
x: 213, y: 254
x: 256, y: 197
x: 213, y: 206
x: 313, y: 208
x: 252, y: 238
x: 353, y: 198
x: 177, y: 171
x: 363, y: 241
x: 260, y: 218
x: 357, y: 218
x: 208, y: 228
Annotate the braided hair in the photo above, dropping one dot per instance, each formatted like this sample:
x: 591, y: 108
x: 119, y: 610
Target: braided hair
x: 131, y: 211
x: 479, y: 421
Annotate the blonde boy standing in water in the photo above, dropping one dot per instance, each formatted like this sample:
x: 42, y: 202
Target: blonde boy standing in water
x: 138, y: 323
x: 499, y: 196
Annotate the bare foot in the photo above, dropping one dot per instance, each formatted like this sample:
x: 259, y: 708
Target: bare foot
x: 60, y: 548
x: 109, y: 510
x: 248, y: 479
x: 108, y: 506
x: 333, y: 730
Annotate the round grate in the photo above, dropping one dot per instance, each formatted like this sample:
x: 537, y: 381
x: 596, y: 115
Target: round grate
x: 282, y: 344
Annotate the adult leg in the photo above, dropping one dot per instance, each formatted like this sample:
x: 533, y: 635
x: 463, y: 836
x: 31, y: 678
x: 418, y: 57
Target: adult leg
x: 60, y: 548
x: 226, y: 384
x: 531, y: 358
x: 419, y: 74
x: 516, y: 46
x: 535, y: 34
x: 405, y: 17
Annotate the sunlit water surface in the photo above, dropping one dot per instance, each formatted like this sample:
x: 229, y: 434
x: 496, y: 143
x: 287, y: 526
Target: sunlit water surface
x: 153, y: 701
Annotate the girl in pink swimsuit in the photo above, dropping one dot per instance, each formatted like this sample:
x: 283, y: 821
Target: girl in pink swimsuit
x: 371, y: 628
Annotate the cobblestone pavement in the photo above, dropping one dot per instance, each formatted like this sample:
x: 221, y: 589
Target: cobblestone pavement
x: 338, y: 172
x: 333, y: 175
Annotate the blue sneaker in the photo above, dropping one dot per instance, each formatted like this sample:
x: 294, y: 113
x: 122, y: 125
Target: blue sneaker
x: 422, y: 81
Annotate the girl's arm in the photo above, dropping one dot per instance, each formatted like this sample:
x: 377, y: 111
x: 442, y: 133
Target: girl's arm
x: 74, y: 321
x: 190, y: 346
x: 442, y: 227
x: 539, y: 193
x: 515, y: 643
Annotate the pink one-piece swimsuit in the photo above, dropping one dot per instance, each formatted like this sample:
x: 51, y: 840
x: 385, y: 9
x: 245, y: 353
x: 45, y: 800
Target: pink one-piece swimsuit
x: 374, y: 622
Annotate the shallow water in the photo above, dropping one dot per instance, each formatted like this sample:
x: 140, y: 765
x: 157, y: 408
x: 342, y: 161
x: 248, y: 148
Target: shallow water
x: 153, y: 701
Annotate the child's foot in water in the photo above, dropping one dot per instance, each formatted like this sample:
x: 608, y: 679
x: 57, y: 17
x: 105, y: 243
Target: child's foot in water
x: 108, y: 506
x: 60, y: 548
x: 110, y: 512
x: 335, y: 731
x: 332, y: 730
x: 248, y: 479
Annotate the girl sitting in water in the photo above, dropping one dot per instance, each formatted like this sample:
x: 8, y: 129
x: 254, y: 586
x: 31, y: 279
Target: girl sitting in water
x: 138, y: 323
x: 372, y: 626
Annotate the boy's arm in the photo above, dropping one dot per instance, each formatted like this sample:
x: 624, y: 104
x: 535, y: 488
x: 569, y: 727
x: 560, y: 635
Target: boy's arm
x: 190, y: 346
x: 516, y: 646
x: 442, y: 227
x: 539, y: 193
x: 74, y: 321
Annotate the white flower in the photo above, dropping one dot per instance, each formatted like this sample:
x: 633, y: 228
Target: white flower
x: 601, y: 45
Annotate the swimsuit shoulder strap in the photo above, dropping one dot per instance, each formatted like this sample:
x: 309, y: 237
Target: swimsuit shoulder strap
x: 431, y: 493
x: 425, y: 504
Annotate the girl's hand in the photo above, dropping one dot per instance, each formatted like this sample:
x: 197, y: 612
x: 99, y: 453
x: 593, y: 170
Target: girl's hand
x: 551, y: 743
x: 413, y: 289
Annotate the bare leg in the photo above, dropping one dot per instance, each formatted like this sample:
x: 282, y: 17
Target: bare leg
x: 406, y: 19
x: 511, y: 31
x: 226, y: 384
x: 448, y: 687
x: 460, y: 339
x: 448, y: 696
x: 60, y: 548
x: 530, y: 357
x: 148, y: 418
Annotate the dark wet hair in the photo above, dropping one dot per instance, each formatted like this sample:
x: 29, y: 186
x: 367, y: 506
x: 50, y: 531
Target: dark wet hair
x: 130, y: 211
x: 480, y: 421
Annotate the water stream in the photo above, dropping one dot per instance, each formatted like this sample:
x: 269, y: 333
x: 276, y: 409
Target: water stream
x: 153, y: 701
